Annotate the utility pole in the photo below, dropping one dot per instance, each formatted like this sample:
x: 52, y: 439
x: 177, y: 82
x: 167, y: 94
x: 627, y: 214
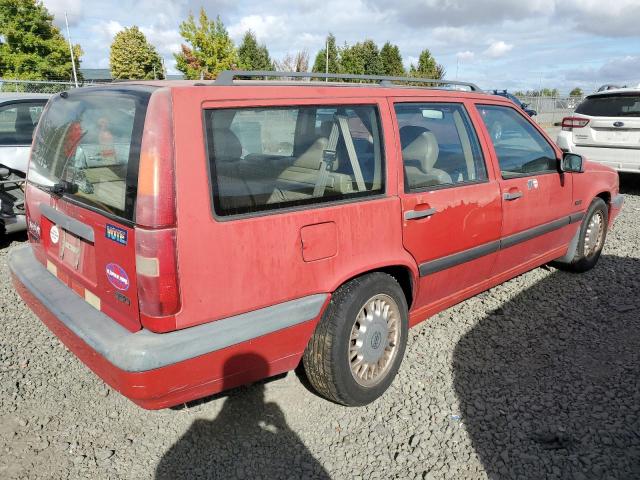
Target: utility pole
x: 73, y: 60
x: 326, y: 66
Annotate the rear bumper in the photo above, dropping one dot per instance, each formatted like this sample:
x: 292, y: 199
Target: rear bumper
x: 161, y: 370
x: 620, y: 159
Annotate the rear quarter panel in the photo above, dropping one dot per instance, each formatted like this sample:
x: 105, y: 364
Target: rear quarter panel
x: 229, y: 266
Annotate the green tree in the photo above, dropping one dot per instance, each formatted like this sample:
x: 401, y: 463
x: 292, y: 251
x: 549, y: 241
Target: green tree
x: 210, y: 50
x: 253, y: 56
x: 427, y: 67
x: 31, y: 46
x: 363, y: 58
x: 321, y: 58
x: 576, y: 92
x: 133, y: 57
x: 391, y: 60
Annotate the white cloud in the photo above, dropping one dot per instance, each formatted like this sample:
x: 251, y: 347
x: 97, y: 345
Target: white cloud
x: 498, y: 49
x: 58, y: 8
x: 264, y: 27
x: 466, y: 56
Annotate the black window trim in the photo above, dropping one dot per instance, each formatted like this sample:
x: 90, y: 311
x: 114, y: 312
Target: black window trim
x: 8, y: 103
x: 443, y: 186
x: 527, y: 119
x: 208, y: 142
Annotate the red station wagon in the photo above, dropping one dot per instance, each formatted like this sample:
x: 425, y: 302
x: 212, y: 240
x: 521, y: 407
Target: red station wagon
x: 189, y: 237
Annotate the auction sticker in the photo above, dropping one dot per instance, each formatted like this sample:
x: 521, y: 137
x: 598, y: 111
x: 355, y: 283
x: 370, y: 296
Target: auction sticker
x: 117, y: 276
x: 54, y: 234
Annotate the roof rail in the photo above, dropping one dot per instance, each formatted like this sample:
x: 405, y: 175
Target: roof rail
x: 226, y: 78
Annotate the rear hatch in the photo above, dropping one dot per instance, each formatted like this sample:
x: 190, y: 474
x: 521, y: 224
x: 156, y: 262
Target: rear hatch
x: 614, y: 121
x: 82, y: 188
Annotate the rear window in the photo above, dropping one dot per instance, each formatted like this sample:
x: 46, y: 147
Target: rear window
x: 270, y: 158
x: 616, y: 105
x: 18, y: 121
x: 88, y: 144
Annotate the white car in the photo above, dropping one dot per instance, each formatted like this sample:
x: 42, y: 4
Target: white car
x: 605, y: 128
x: 19, y: 115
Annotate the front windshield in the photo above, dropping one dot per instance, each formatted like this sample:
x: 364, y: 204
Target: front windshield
x: 87, y: 141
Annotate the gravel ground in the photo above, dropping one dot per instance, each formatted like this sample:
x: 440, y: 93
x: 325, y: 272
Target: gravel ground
x: 536, y: 378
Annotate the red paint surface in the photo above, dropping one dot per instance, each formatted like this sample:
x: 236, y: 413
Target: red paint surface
x: 230, y: 266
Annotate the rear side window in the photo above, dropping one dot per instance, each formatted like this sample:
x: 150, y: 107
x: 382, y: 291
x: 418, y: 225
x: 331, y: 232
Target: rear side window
x: 18, y: 121
x: 520, y: 148
x: 90, y: 143
x: 439, y: 146
x: 270, y: 158
x: 617, y: 105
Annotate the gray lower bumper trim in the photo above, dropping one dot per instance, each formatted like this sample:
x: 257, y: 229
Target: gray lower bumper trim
x: 617, y: 201
x: 145, y: 350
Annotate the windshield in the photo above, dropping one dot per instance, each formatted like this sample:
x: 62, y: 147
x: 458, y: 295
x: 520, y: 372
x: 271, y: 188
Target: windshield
x: 615, y: 105
x: 88, y: 144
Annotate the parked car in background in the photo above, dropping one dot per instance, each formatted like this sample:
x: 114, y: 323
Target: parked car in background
x: 524, y: 106
x: 609, y: 86
x: 189, y: 237
x: 19, y: 115
x: 606, y: 129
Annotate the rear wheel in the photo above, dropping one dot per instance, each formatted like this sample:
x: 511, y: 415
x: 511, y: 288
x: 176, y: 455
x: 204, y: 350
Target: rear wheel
x: 593, y: 233
x: 356, y: 349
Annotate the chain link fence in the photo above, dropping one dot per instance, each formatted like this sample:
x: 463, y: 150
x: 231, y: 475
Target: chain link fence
x: 551, y: 109
x: 39, y: 86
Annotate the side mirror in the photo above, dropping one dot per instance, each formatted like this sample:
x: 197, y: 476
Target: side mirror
x: 572, y: 163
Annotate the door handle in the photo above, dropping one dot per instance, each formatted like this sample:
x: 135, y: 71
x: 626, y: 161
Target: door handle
x: 509, y: 196
x: 415, y: 214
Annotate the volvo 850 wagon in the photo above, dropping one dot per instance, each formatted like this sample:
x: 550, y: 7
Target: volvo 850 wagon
x: 188, y: 237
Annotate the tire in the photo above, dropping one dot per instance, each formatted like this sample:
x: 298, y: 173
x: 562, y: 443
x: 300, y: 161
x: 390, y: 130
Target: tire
x: 590, y: 246
x: 334, y: 354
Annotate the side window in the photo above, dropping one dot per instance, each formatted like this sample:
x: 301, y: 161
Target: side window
x: 520, y: 148
x: 439, y: 146
x: 18, y: 121
x: 276, y: 157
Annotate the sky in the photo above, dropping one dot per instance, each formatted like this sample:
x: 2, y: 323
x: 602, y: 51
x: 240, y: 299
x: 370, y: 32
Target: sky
x: 512, y: 44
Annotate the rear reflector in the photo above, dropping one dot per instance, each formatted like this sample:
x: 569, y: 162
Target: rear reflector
x: 569, y: 123
x: 155, y: 204
x: 157, y: 278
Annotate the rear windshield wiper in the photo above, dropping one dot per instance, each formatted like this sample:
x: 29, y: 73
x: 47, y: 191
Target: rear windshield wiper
x: 60, y: 188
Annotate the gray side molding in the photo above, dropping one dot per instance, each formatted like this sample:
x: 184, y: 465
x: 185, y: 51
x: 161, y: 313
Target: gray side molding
x: 145, y: 350
x: 70, y: 224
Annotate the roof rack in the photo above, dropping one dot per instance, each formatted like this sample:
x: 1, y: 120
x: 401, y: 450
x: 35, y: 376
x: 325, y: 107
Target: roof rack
x: 226, y: 78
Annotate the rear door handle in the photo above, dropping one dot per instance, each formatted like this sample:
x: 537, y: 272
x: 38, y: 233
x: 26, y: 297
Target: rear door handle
x: 512, y: 195
x: 415, y: 214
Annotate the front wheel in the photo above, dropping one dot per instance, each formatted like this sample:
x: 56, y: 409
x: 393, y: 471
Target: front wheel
x: 593, y: 233
x: 358, y: 345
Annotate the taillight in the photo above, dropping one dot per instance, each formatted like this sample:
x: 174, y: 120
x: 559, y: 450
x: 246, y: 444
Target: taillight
x: 155, y: 203
x: 157, y: 276
x: 569, y: 123
x: 156, y: 257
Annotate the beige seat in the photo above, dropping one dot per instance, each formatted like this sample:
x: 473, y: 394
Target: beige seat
x: 298, y: 181
x: 420, y: 153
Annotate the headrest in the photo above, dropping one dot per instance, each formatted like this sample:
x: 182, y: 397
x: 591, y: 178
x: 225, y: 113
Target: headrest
x: 312, y: 156
x: 421, y: 145
x: 226, y: 146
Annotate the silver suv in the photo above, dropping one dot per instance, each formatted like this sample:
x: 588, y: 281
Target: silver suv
x: 606, y: 129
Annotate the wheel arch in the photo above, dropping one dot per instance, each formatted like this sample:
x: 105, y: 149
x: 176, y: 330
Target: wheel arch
x: 406, y: 275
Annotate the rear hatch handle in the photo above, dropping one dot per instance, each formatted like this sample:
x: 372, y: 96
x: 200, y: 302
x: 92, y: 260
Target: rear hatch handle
x: 68, y: 223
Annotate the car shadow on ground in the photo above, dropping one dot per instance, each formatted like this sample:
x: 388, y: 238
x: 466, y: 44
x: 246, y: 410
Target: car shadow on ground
x: 8, y: 239
x: 548, y: 384
x: 630, y: 183
x: 249, y: 438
